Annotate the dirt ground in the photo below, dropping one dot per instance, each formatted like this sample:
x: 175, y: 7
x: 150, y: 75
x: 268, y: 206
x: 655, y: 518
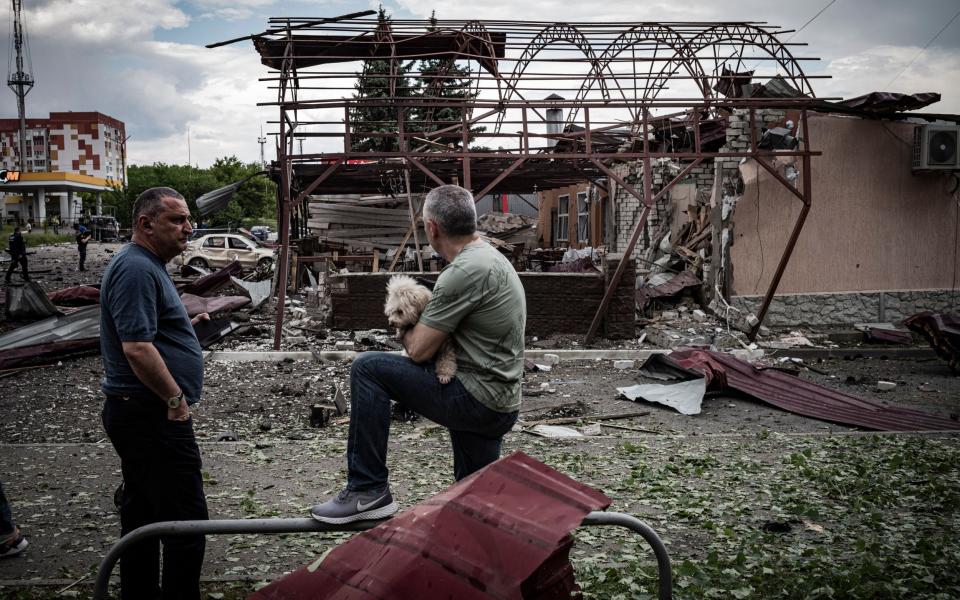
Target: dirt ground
x: 60, y: 472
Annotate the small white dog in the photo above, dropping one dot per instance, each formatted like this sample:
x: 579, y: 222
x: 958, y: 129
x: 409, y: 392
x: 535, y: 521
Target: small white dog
x: 406, y: 299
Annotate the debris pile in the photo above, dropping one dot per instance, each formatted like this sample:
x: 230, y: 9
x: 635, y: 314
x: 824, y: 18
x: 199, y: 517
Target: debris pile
x: 723, y: 373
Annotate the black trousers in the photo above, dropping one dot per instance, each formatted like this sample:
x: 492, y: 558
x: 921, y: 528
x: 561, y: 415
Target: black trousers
x: 83, y: 255
x: 160, y: 461
x: 22, y: 261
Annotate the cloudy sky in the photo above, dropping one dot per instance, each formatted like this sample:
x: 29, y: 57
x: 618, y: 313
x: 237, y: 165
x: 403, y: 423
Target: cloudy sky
x: 144, y: 61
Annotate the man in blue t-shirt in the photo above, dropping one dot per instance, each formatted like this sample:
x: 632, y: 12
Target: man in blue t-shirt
x: 153, y: 372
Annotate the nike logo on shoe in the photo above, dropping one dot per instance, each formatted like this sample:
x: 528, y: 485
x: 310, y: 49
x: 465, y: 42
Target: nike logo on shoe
x: 361, y: 507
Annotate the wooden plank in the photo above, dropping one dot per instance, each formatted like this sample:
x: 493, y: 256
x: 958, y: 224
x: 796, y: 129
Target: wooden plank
x: 365, y: 243
x: 345, y: 209
x: 370, y: 221
x: 359, y: 232
x: 356, y: 221
x: 358, y: 201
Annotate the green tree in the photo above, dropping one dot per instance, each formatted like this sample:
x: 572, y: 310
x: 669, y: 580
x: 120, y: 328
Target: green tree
x: 373, y: 82
x: 254, y: 202
x: 445, y: 79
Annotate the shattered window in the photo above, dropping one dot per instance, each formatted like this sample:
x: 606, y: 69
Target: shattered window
x: 563, y: 218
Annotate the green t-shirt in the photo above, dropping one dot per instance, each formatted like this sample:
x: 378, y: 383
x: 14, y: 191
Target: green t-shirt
x: 479, y: 301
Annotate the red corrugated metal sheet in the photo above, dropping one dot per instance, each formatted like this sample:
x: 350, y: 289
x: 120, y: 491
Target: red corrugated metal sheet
x: 197, y: 304
x: 81, y: 295
x: 725, y: 373
x: 482, y: 538
x: 212, y: 282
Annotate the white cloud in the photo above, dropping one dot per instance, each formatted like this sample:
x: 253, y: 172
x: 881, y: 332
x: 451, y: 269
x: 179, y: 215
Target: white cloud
x: 616, y: 11
x: 229, y: 14
x: 219, y: 107
x: 90, y: 21
x: 102, y: 55
x: 871, y: 70
x: 232, y: 3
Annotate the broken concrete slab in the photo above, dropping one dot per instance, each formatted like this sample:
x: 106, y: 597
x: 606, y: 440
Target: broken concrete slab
x: 554, y: 431
x: 550, y: 358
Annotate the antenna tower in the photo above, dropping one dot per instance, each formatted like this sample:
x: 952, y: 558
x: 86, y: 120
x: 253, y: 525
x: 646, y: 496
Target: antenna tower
x: 262, y: 140
x: 21, y: 80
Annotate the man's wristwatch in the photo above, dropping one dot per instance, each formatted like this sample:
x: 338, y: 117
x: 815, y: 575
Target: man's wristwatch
x: 174, y: 401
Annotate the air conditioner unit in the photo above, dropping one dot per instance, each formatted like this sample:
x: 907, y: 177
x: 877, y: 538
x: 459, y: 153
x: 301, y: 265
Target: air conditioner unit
x: 935, y: 148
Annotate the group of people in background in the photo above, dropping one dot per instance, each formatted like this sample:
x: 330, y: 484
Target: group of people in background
x: 17, y: 249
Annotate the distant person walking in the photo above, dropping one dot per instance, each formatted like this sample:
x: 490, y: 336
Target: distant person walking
x: 18, y: 254
x: 83, y: 238
x: 29, y: 226
x: 12, y: 541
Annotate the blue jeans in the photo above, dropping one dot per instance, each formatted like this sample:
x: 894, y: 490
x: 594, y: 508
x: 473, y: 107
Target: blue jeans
x: 6, y: 519
x: 377, y: 377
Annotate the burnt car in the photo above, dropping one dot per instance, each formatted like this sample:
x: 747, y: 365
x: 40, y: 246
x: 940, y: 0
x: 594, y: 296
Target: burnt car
x: 217, y: 250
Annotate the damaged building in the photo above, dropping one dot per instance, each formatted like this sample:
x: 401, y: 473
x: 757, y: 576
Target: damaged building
x: 878, y: 244
x: 569, y: 114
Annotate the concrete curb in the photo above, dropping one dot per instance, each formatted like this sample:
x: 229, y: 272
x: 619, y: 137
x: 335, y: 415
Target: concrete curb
x: 338, y: 355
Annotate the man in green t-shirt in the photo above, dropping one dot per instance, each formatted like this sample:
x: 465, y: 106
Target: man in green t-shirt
x: 478, y: 302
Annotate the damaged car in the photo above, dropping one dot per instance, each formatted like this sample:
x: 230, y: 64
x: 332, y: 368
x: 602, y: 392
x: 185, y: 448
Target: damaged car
x: 214, y: 251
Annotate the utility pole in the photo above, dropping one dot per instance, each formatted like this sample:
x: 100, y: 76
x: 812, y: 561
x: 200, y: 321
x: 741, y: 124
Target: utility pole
x: 189, y: 160
x: 21, y: 82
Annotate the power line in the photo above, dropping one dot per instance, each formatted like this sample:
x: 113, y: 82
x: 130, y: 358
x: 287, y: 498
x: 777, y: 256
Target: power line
x: 932, y: 40
x: 802, y: 27
x: 812, y: 19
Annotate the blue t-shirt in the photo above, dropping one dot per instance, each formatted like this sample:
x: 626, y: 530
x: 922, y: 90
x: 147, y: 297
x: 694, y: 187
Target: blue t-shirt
x: 139, y: 303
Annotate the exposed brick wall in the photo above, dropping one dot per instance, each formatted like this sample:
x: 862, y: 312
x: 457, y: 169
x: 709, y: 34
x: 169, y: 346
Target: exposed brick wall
x: 627, y: 208
x: 556, y: 302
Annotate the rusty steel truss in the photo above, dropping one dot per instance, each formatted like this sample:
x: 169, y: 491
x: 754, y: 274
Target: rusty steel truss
x: 534, y: 106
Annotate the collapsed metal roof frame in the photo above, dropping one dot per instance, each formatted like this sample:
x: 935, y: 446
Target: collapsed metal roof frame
x: 619, y: 72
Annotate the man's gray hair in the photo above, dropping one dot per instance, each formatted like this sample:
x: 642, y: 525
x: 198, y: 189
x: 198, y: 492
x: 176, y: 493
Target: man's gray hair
x: 453, y: 208
x: 148, y: 202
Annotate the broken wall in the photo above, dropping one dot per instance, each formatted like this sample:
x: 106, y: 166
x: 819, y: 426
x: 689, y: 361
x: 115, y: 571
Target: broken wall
x: 557, y: 303
x: 627, y: 208
x: 873, y: 224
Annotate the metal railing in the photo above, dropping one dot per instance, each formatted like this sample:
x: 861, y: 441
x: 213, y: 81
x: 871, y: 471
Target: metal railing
x: 260, y: 526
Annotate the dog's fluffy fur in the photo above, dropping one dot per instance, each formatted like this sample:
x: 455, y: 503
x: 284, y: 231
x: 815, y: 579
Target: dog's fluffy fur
x: 406, y: 299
